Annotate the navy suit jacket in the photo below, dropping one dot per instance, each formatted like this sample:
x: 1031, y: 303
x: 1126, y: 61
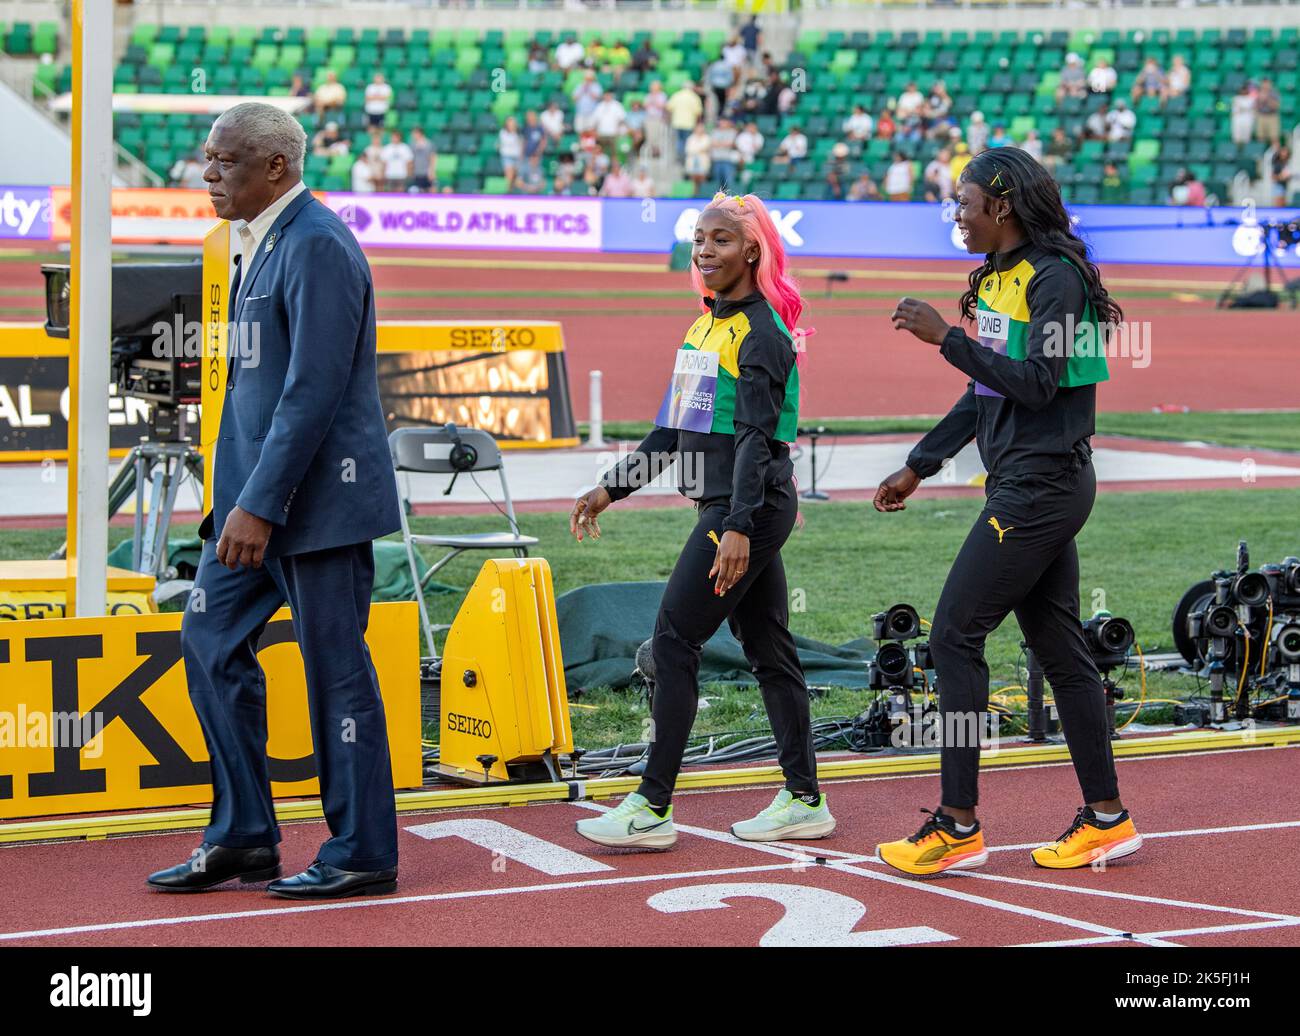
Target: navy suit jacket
x: 302, y: 442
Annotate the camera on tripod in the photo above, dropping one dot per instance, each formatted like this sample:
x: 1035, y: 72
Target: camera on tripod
x: 156, y: 335
x: 893, y: 670
x: 1241, y: 629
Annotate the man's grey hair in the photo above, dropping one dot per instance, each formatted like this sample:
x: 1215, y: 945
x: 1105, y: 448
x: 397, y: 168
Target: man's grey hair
x: 267, y: 130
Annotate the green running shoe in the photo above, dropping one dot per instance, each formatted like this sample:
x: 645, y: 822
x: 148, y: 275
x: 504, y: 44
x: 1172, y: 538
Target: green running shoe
x: 630, y: 824
x: 787, y: 817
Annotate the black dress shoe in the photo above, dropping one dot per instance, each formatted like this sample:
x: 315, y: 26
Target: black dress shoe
x: 211, y: 865
x: 321, y: 881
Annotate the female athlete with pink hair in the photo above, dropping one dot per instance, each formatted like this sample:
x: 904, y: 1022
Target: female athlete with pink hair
x: 727, y: 419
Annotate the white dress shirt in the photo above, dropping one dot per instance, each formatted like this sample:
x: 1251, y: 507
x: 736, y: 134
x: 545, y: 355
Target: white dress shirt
x: 252, y: 232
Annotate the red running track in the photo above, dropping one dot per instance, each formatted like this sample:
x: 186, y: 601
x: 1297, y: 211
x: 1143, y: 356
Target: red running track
x: 1219, y: 867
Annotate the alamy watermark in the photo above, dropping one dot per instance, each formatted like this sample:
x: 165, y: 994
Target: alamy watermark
x: 1128, y: 340
x: 179, y: 339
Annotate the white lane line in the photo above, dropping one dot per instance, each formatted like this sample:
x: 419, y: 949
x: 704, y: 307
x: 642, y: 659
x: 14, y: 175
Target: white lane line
x: 389, y: 901
x: 847, y: 866
x: 1172, y: 934
x: 1172, y: 834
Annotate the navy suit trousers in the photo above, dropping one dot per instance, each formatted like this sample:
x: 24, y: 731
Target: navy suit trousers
x: 328, y: 592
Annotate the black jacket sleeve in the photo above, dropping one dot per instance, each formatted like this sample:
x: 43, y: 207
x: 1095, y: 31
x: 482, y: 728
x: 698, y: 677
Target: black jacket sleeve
x: 647, y: 462
x: 765, y: 361
x: 947, y: 438
x: 1056, y: 301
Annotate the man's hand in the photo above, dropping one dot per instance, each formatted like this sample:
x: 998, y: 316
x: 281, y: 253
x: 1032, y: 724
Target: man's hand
x: 921, y: 318
x: 582, y: 519
x: 895, y: 489
x: 732, y: 561
x: 243, y: 540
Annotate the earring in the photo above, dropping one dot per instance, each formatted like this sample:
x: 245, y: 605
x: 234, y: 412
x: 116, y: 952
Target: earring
x: 1001, y: 220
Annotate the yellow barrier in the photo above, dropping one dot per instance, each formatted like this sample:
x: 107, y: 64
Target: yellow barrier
x: 95, y: 714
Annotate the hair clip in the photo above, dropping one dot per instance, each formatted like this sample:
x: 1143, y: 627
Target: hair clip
x: 997, y: 182
x: 740, y: 200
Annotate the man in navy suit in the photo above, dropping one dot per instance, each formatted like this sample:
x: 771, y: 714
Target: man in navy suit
x: 302, y: 483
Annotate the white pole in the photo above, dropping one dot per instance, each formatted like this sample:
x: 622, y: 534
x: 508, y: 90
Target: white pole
x: 596, y: 417
x: 93, y: 283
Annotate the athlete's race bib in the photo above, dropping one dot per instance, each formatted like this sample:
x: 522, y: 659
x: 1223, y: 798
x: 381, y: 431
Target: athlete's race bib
x: 994, y: 331
x: 689, y: 402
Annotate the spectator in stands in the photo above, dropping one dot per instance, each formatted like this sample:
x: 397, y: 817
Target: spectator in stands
x: 977, y: 133
x: 424, y: 162
x: 552, y: 120
x: 1281, y: 171
x: 1243, y: 115
x: 617, y: 183
x: 787, y: 100
x: 595, y: 56
x: 656, y: 102
x: 566, y: 168
x: 1102, y: 78
x: 772, y: 99
x: 1033, y: 144
x: 999, y: 137
x: 399, y: 162
x: 187, y: 172
x: 752, y: 37
x: 643, y: 184
x: 1179, y: 80
x: 589, y: 185
x: 721, y: 77
x: 838, y: 171
x: 859, y: 125
x: 1150, y: 81
x: 938, y: 176
x: 938, y: 110
x: 736, y: 54
x: 910, y: 102
x: 645, y: 59
x: 864, y: 189
x: 885, y: 125
x: 898, y: 178
x: 1059, y: 149
x: 538, y: 60
x: 329, y: 142
x: 749, y: 143
x: 684, y: 111
x: 617, y: 59
x: 532, y: 177
x: 1096, y: 126
x: 699, y: 156
x: 586, y: 95
x: 569, y: 54
x: 607, y: 119
x: 960, y: 159
x: 590, y: 153
x: 908, y: 130
x: 750, y: 100
x: 329, y: 96
x: 1112, y: 186
x: 724, y: 157
x: 1120, y: 121
x: 510, y: 146
x: 298, y: 88
x: 368, y: 170
x: 379, y: 98
x: 1268, y: 109
x: 794, y: 148
x: 1073, y: 81
x: 634, y: 121
x: 1187, y: 190
x: 535, y: 137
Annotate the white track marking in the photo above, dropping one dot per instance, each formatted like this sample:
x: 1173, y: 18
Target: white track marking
x: 1171, y: 834
x: 1172, y: 934
x: 388, y: 901
x: 502, y: 840
x: 847, y: 867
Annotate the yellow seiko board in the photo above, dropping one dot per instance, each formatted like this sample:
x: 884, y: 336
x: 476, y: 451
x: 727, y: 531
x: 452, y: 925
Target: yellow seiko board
x: 95, y: 714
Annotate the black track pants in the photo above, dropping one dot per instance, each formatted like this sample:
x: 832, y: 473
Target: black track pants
x: 1031, y: 567
x: 757, y: 610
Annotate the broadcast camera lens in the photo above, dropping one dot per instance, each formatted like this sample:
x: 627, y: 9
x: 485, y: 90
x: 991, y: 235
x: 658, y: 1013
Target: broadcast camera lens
x: 1288, y: 644
x: 1291, y: 575
x: 1116, y: 636
x: 893, y: 662
x: 902, y: 622
x: 1220, y: 621
x: 1252, y: 589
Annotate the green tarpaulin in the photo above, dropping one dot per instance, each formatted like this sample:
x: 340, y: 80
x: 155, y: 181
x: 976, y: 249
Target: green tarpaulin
x: 602, y: 626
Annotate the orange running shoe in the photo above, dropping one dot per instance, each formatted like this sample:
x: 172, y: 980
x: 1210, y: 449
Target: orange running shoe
x: 1090, y: 841
x: 936, y: 847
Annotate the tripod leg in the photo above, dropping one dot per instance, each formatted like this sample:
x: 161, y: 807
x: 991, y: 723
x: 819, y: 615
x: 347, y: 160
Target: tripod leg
x: 161, y: 479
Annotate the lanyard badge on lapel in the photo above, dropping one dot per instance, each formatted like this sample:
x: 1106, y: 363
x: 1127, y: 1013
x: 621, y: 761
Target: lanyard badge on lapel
x: 270, y: 242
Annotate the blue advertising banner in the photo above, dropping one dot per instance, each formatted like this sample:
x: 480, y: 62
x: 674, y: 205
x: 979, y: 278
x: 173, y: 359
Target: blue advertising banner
x: 920, y: 230
x: 25, y: 213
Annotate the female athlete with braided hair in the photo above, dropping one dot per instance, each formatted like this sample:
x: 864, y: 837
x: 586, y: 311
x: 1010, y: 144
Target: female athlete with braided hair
x: 1041, y: 313
x: 727, y: 418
